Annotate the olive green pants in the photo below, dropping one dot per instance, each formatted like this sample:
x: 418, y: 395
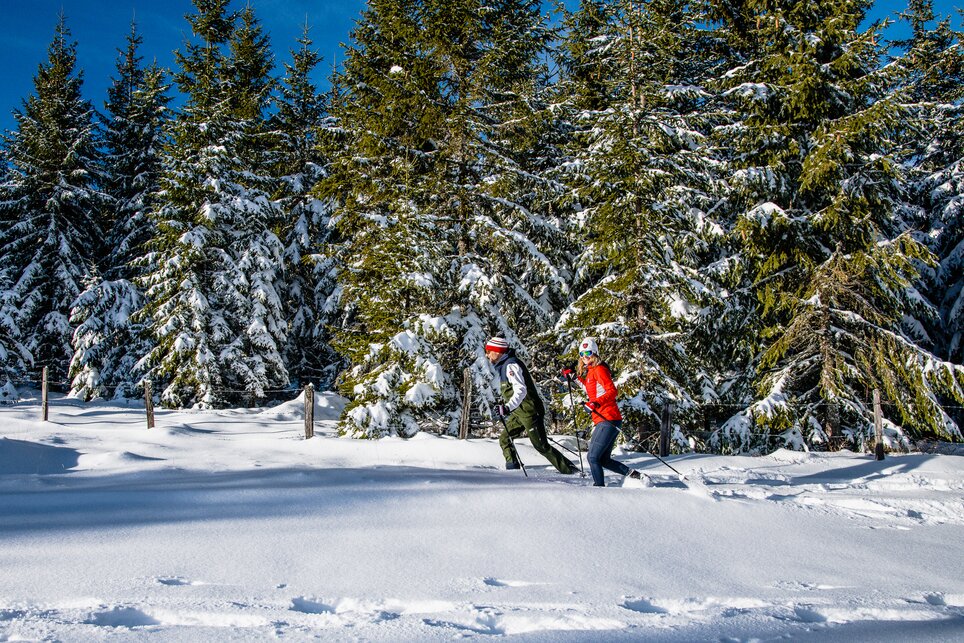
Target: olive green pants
x: 537, y: 436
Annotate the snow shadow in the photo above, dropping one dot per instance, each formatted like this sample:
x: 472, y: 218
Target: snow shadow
x: 97, y: 416
x: 948, y: 629
x: 864, y: 470
x: 18, y: 457
x: 171, y: 497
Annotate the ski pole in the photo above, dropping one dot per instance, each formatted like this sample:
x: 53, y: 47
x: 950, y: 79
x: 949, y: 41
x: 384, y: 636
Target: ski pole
x: 562, y: 446
x: 515, y: 452
x: 668, y: 465
x: 575, y: 425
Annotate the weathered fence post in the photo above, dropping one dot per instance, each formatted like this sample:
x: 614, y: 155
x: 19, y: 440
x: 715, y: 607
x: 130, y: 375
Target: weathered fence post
x: 878, y: 427
x: 753, y: 431
x: 466, y: 421
x: 309, y: 410
x: 149, y: 403
x: 664, y: 425
x: 44, y: 402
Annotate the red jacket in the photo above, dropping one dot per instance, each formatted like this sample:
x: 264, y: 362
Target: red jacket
x: 601, y: 390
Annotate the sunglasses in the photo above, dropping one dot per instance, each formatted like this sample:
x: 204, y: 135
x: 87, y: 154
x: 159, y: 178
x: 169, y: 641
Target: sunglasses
x: 585, y: 353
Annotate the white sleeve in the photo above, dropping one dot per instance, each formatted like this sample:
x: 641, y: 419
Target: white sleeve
x: 513, y: 373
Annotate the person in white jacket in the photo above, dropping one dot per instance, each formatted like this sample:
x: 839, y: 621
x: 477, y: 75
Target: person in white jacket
x: 520, y: 407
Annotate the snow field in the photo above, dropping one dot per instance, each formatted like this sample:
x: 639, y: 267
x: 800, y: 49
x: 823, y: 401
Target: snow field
x: 229, y: 524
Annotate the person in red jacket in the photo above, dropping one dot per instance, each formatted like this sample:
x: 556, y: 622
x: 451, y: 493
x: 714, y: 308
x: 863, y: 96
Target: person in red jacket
x: 595, y: 376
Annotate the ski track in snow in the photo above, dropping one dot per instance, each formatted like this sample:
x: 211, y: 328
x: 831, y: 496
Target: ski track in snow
x: 229, y: 524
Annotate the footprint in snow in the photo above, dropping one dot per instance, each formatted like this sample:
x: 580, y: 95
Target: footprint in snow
x: 177, y: 581
x: 644, y: 606
x: 121, y: 616
x: 496, y: 582
x: 940, y: 599
x: 308, y: 606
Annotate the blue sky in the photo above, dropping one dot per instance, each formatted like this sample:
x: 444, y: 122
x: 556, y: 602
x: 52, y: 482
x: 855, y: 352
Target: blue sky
x: 100, y: 27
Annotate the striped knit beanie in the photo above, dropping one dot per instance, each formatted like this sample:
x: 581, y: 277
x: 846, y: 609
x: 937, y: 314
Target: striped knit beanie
x: 497, y: 344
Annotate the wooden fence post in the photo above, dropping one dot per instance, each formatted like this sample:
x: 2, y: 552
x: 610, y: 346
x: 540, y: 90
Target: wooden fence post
x: 664, y: 425
x: 753, y: 430
x: 878, y: 427
x: 44, y: 403
x: 466, y: 421
x: 309, y: 411
x: 149, y: 403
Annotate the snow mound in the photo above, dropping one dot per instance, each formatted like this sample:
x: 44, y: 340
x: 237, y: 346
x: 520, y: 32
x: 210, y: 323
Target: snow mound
x: 113, y: 460
x: 328, y: 407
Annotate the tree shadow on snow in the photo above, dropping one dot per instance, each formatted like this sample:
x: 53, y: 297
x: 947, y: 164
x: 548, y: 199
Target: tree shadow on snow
x: 865, y: 470
x: 177, y: 496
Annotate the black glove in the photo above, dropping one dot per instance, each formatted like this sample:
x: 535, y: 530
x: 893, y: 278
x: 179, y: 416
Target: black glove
x: 501, y: 410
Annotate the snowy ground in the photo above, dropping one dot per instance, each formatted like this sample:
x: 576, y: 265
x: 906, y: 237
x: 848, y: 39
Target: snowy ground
x: 230, y: 524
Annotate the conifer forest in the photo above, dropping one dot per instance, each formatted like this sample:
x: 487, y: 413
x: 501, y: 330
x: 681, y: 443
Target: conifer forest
x: 755, y: 207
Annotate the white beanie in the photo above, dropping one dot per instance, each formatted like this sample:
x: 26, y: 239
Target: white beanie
x: 589, y: 344
x: 497, y: 344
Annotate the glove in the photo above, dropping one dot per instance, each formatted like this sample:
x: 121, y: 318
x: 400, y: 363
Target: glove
x: 581, y: 434
x: 501, y: 410
x: 568, y: 373
x: 590, y: 406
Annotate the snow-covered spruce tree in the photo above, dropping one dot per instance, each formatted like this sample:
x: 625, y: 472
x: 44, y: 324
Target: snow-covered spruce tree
x: 107, y: 345
x: 587, y: 63
x: 821, y: 227
x: 504, y: 212
x: 51, y: 207
x: 642, y: 174
x: 255, y: 359
x: 302, y: 127
x: 934, y: 86
x: 388, y: 106
x: 213, y: 306
x: 434, y: 208
x: 14, y: 357
x: 947, y: 208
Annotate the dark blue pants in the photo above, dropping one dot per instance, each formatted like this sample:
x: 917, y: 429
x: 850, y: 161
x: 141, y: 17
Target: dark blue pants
x: 601, y: 452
